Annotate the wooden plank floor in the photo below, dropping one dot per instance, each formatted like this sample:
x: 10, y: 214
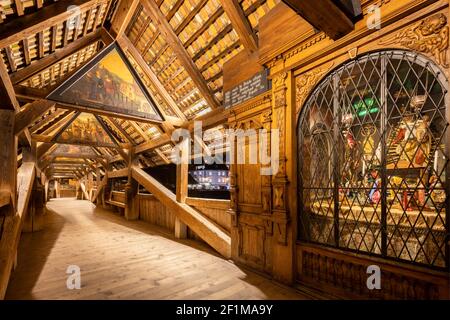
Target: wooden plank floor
x: 122, y: 259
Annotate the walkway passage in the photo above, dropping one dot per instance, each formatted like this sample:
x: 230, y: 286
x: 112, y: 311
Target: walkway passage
x: 122, y: 259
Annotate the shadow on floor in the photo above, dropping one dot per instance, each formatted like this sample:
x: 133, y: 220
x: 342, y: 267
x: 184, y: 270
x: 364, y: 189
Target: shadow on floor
x: 183, y: 279
x: 32, y: 262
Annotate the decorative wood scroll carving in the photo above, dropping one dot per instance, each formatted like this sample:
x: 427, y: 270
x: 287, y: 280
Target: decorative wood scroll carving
x: 335, y: 273
x: 429, y: 36
x: 306, y: 82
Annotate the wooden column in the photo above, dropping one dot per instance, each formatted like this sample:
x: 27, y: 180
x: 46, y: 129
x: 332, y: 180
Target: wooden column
x: 283, y: 182
x: 8, y: 162
x: 79, y: 193
x: 106, y: 188
x: 99, y: 181
x: 8, y: 187
x: 182, y: 186
x: 57, y: 193
x: 131, y: 191
x: 46, y: 189
x: 90, y: 185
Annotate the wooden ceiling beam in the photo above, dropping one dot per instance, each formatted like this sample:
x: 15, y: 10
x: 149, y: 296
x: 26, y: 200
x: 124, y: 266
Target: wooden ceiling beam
x: 183, y: 56
x: 205, y: 26
x: 53, y: 58
x: 190, y: 16
x: 324, y: 15
x: 30, y: 113
x: 209, y: 120
x: 19, y: 7
x: 124, y: 14
x: 241, y: 24
x: 7, y: 94
x: 48, y: 118
x: 119, y: 128
x: 31, y: 24
x: 30, y: 94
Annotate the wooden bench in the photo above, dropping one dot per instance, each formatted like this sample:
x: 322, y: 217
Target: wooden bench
x: 116, y: 203
x: 117, y: 200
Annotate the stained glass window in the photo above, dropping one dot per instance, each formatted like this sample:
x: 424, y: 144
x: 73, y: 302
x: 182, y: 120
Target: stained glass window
x: 373, y: 159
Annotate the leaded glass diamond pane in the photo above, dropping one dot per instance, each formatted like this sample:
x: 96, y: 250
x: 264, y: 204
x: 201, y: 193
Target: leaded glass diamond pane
x: 373, y: 161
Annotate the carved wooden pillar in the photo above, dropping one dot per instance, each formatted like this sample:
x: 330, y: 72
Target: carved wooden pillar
x: 279, y: 180
x: 233, y: 210
x: 266, y: 189
x: 283, y: 182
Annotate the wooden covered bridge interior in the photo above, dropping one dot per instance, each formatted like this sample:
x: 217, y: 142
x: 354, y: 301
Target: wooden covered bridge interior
x: 92, y: 91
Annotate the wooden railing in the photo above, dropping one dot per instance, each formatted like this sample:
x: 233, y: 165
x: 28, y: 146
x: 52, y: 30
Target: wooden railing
x: 117, y: 199
x: 12, y: 224
x: 209, y: 231
x: 154, y: 212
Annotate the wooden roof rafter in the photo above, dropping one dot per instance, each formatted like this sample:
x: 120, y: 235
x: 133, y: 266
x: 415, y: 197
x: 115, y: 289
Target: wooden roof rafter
x: 175, y: 43
x: 240, y: 24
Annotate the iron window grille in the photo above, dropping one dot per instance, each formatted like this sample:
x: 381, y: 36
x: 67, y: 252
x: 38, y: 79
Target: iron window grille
x: 373, y: 164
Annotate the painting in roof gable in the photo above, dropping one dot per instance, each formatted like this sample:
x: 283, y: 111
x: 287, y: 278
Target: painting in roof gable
x: 110, y: 85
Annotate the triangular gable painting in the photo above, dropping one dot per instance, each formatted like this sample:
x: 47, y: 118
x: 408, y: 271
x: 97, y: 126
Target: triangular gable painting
x: 108, y: 84
x: 68, y: 150
x: 85, y: 129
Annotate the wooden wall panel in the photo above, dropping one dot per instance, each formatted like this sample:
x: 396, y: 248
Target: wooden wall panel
x: 281, y: 29
x: 345, y: 275
x: 68, y: 193
x: 154, y: 212
x: 215, y: 210
x: 118, y: 196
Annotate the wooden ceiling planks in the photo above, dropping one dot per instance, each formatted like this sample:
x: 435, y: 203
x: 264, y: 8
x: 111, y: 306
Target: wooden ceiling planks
x: 186, y: 81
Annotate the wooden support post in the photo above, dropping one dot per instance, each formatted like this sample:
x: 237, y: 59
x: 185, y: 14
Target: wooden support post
x: 90, y: 185
x: 57, y: 191
x: 8, y: 161
x: 131, y: 191
x: 46, y: 190
x: 99, y: 182
x: 182, y: 186
x: 8, y: 182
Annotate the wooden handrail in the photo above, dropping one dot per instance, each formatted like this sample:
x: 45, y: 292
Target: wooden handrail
x: 208, y: 203
x: 203, y: 227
